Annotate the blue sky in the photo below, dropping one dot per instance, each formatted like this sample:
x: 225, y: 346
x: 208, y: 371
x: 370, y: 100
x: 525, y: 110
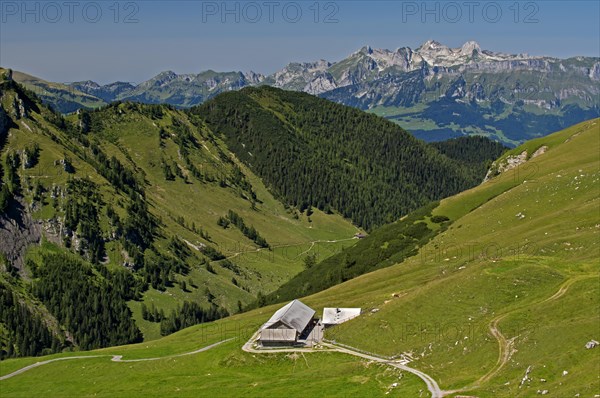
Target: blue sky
x: 132, y: 41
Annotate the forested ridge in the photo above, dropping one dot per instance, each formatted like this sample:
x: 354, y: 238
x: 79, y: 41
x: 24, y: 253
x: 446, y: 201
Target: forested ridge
x: 313, y: 152
x: 25, y: 333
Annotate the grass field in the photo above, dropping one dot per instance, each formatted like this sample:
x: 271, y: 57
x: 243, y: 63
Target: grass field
x: 225, y: 369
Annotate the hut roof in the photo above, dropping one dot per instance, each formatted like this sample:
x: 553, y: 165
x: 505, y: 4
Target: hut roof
x: 295, y: 315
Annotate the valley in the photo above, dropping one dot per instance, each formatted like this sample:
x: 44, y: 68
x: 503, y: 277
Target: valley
x: 498, y: 298
x: 292, y: 199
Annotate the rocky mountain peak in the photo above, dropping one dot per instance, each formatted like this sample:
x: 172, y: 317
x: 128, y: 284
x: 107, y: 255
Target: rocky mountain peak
x: 161, y: 79
x: 89, y: 84
x: 6, y: 74
x: 469, y: 47
x: 431, y: 45
x: 167, y: 74
x: 365, y: 50
x: 253, y: 77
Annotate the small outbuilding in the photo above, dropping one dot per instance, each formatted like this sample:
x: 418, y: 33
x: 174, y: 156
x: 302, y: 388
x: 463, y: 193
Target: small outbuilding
x: 287, y: 324
x: 335, y: 316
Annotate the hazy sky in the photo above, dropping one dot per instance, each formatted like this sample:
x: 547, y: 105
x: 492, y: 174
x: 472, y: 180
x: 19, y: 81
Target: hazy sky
x: 132, y: 41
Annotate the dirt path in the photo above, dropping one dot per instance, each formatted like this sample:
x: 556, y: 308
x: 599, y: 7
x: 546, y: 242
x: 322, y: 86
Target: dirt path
x: 117, y: 358
x: 564, y: 287
x: 506, y: 346
x: 312, y: 244
x: 431, y: 384
x: 35, y: 365
x: 114, y: 358
x: 505, y: 350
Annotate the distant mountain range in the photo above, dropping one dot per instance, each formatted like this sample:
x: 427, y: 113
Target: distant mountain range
x: 434, y: 91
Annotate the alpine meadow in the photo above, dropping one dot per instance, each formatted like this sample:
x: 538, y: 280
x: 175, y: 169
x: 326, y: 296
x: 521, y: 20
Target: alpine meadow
x: 418, y: 222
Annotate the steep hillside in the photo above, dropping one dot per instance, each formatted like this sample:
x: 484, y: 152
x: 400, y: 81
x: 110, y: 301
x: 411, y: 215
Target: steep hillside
x: 313, y: 152
x: 500, y: 304
x: 385, y: 246
x: 511, y: 285
x: 142, y: 198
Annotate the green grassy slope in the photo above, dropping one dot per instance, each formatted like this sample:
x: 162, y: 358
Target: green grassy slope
x: 533, y: 279
x: 515, y: 241
x: 134, y: 139
x: 384, y: 247
x: 144, y: 139
x: 225, y: 369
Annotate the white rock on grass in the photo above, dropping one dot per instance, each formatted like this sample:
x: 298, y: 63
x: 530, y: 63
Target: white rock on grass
x: 591, y: 344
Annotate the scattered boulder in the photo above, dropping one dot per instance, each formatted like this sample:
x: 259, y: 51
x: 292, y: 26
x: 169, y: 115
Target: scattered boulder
x: 591, y: 344
x: 526, y: 378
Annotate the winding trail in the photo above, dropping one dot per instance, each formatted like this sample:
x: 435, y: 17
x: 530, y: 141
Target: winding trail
x: 506, y: 346
x: 115, y: 358
x: 35, y: 365
x: 505, y: 350
x: 431, y: 384
x: 312, y: 244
